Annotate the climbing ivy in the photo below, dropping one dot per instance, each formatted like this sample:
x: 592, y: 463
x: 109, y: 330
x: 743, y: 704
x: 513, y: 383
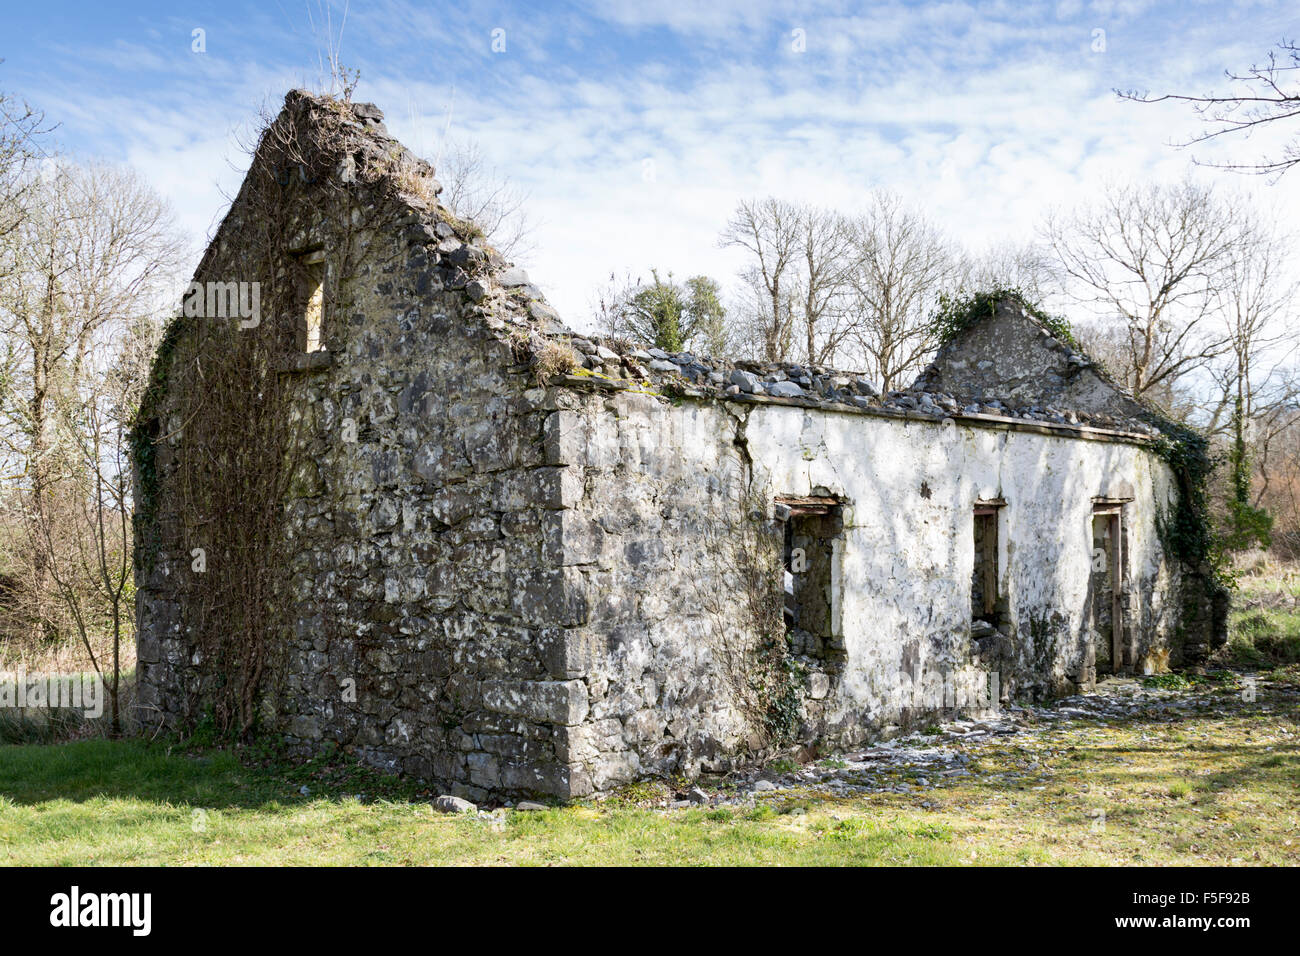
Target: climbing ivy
x: 778, y: 682
x: 142, y: 439
x: 1246, y: 525
x: 1186, y: 532
x: 957, y: 313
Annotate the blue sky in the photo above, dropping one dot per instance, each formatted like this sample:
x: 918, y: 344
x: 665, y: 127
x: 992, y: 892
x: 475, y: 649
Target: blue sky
x: 635, y: 127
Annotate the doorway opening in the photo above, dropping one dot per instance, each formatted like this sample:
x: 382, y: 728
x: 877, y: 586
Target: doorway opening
x: 986, y: 604
x: 1107, y: 587
x: 812, y: 546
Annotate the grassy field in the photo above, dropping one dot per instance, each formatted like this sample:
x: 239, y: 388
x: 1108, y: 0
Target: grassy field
x: 1212, y: 780
x: 1265, y: 623
x: 1219, y: 784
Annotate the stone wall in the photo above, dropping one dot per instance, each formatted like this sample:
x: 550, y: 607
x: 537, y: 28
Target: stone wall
x: 663, y: 489
x: 422, y: 565
x: 428, y: 602
x: 1009, y: 360
x: 651, y: 519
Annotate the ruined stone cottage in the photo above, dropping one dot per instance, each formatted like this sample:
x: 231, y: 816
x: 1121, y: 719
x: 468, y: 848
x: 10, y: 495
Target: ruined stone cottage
x: 387, y: 501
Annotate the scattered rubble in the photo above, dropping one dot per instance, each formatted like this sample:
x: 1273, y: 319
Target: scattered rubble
x: 921, y: 762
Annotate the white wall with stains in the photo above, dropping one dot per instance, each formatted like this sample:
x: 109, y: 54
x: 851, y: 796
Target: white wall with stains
x: 909, y: 489
x: 660, y: 493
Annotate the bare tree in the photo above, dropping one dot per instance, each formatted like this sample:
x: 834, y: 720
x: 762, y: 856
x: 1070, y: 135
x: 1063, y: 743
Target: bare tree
x: 826, y: 251
x: 1263, y: 97
x: 21, y: 127
x: 97, y: 251
x: 902, y: 265
x: 87, y: 545
x: 747, y: 335
x: 475, y: 191
x: 770, y: 230
x: 1256, y: 299
x: 1151, y: 260
x: 1028, y: 267
x: 796, y: 283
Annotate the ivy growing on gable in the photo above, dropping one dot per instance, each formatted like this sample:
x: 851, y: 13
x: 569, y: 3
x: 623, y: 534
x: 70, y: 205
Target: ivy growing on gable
x: 956, y: 314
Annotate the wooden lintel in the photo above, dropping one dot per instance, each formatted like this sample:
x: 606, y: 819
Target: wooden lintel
x: 808, y: 504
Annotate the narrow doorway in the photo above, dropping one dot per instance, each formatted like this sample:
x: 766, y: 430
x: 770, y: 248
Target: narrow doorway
x: 1107, y: 587
x: 985, y: 601
x: 813, y: 542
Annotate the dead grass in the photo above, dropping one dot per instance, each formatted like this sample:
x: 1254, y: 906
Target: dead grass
x: 553, y: 359
x: 46, y: 725
x: 63, y: 657
x: 414, y: 179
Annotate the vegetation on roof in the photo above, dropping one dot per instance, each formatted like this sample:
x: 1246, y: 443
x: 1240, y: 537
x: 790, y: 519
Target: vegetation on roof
x: 957, y: 313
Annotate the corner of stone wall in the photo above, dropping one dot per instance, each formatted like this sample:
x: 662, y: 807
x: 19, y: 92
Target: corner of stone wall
x: 1203, y: 627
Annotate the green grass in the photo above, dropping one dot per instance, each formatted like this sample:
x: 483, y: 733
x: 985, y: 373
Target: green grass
x: 1264, y: 626
x: 1166, y: 681
x: 1217, y: 785
x: 124, y: 802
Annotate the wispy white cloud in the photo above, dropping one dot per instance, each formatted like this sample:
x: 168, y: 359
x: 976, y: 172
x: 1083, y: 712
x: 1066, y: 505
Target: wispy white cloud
x: 982, y: 113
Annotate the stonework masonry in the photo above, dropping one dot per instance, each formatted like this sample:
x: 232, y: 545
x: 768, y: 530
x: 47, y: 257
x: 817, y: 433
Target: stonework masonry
x: 523, y: 560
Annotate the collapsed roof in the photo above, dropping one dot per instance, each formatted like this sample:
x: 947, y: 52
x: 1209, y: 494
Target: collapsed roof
x: 1004, y: 368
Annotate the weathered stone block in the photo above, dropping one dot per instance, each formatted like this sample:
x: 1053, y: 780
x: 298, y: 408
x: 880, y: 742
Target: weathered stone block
x: 571, y: 652
x: 306, y: 727
x: 555, y: 702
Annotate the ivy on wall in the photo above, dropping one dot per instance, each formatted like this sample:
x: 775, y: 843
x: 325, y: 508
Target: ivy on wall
x: 1186, y: 531
x: 956, y: 314
x: 143, y: 438
x: 220, y: 432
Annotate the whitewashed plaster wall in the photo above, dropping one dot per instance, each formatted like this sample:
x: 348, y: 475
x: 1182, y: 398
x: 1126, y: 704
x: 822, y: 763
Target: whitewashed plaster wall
x: 657, y: 490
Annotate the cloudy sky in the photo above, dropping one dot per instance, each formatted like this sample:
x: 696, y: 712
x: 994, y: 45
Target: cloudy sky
x: 636, y: 126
